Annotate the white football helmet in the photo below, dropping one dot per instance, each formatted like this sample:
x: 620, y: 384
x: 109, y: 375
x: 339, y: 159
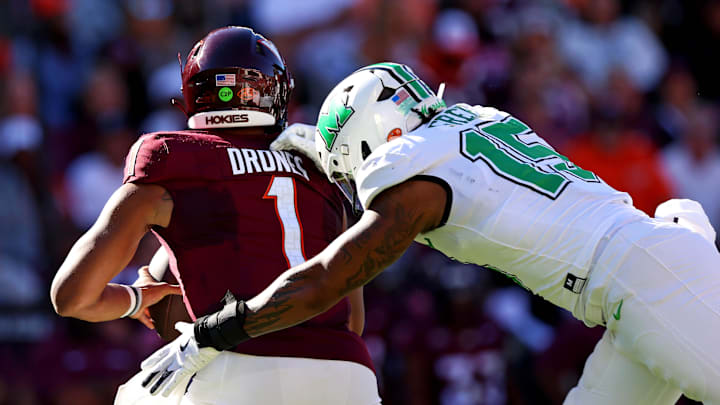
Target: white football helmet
x: 368, y: 108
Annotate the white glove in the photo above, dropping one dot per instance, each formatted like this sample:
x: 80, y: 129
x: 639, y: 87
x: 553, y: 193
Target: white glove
x: 300, y: 138
x: 687, y: 213
x: 175, y: 362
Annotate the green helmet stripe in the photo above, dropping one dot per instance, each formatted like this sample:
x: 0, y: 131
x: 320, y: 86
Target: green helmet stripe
x: 418, y: 84
x: 420, y: 89
x: 398, y: 69
x: 410, y: 78
x: 397, y: 78
x: 425, y: 86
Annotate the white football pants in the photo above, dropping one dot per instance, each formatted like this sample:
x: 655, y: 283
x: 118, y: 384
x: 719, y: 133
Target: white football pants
x: 239, y: 379
x: 657, y: 288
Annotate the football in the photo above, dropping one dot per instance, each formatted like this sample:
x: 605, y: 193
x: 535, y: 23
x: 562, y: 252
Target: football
x: 171, y: 309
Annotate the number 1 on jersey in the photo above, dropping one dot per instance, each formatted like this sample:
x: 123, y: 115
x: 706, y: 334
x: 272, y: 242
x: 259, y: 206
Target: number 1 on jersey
x: 282, y: 190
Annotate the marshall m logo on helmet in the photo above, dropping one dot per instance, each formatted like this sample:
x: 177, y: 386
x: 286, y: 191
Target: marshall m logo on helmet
x: 234, y: 77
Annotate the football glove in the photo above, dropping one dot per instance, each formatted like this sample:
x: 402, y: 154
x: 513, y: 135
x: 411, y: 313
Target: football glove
x: 176, y: 362
x: 300, y: 138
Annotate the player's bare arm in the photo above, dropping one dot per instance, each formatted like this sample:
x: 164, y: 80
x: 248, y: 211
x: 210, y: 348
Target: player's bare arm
x: 81, y: 288
x: 381, y: 236
x: 356, y: 319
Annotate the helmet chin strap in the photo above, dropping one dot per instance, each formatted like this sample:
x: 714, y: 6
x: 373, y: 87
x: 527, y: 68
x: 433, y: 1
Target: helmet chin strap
x: 230, y: 119
x: 179, y: 105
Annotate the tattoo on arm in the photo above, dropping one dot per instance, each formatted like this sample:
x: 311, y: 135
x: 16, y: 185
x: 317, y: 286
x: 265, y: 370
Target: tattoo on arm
x: 392, y: 246
x: 279, y: 304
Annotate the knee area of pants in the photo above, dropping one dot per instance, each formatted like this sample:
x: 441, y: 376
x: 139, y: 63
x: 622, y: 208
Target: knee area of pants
x: 666, y: 360
x: 692, y: 385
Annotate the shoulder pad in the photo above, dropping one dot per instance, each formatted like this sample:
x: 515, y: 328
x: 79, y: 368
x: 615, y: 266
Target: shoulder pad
x: 149, y: 158
x: 395, y: 162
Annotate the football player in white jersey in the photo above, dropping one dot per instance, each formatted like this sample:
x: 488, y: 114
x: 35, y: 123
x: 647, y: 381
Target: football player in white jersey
x: 480, y: 186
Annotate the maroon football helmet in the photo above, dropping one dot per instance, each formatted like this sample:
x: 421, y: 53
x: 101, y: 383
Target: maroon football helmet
x: 235, y: 77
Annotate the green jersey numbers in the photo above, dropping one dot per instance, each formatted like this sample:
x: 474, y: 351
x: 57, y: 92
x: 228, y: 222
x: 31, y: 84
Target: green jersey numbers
x: 513, y: 151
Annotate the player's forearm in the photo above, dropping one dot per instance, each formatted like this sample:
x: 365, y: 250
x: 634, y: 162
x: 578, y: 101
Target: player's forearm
x: 352, y: 260
x: 81, y: 283
x: 112, y: 303
x: 292, y: 298
x: 297, y: 295
x: 356, y: 320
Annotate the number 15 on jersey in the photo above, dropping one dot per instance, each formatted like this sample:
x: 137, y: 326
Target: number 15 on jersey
x: 513, y: 151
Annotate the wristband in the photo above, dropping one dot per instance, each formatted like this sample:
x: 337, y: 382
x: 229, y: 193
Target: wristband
x: 223, y: 329
x: 135, y: 300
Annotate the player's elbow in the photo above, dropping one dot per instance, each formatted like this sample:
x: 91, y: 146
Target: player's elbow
x: 62, y: 302
x: 65, y: 301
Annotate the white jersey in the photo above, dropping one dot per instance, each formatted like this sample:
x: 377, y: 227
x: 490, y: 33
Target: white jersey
x: 515, y: 205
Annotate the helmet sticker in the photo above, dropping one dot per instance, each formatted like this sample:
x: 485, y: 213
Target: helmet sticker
x: 247, y: 94
x: 400, y: 96
x: 225, y: 94
x: 330, y: 123
x: 394, y: 133
x: 403, y: 101
x: 225, y: 79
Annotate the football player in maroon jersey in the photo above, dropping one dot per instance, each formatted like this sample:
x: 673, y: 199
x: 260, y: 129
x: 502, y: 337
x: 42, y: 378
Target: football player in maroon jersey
x: 217, y: 198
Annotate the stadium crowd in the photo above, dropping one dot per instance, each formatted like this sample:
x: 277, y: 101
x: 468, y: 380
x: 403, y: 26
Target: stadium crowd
x: 626, y: 89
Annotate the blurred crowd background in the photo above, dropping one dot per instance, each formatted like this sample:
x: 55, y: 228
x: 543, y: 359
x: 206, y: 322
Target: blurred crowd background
x: 626, y: 89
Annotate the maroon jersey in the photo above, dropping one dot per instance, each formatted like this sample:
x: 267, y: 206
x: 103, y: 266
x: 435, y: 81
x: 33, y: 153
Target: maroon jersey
x: 242, y: 215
